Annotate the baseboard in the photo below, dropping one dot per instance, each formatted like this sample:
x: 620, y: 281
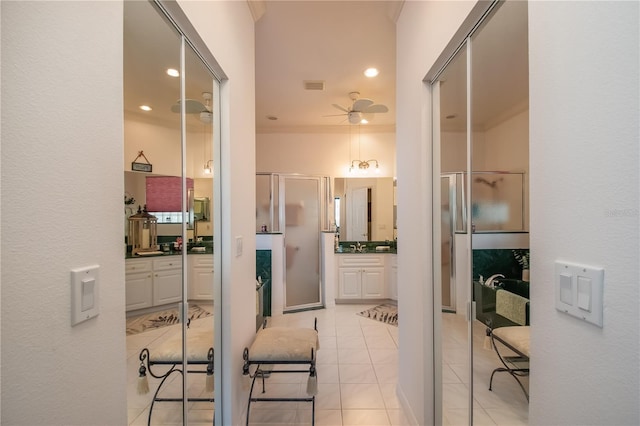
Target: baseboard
x: 364, y: 301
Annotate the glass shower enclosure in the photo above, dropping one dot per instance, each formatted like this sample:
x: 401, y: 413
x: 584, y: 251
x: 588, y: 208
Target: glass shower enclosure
x: 298, y: 207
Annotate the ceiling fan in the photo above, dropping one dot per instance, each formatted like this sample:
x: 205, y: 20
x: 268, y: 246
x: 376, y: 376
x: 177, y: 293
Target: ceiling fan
x: 193, y: 106
x: 361, y: 111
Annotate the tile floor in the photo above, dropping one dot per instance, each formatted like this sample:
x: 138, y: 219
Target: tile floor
x: 357, y: 376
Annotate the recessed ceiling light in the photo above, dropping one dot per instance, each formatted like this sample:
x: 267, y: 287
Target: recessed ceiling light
x: 173, y: 72
x: 272, y: 117
x: 371, y: 72
x: 451, y: 116
x: 145, y: 107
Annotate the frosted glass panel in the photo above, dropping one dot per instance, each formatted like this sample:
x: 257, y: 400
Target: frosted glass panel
x: 302, y: 249
x: 497, y: 201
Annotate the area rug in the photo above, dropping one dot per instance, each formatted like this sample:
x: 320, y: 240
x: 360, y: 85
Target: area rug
x: 387, y: 313
x: 159, y: 319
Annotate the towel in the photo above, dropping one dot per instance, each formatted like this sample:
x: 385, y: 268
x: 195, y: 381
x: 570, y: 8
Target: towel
x: 512, y: 306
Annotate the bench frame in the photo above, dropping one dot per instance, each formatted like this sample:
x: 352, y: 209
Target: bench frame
x: 174, y: 367
x: 262, y: 373
x: 517, y: 366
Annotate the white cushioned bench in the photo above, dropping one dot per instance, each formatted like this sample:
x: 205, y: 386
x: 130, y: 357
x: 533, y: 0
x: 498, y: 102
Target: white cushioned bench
x: 169, y: 353
x: 291, y: 347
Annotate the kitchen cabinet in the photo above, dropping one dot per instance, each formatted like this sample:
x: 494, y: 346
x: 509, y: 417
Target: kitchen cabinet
x: 201, y: 277
x: 361, y: 277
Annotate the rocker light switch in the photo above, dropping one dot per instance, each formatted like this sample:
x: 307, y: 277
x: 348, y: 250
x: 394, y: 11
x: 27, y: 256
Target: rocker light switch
x: 566, y: 289
x: 85, y: 301
x: 584, y: 293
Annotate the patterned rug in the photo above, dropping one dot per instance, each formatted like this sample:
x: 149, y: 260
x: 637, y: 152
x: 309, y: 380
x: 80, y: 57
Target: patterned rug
x: 162, y: 319
x: 387, y: 313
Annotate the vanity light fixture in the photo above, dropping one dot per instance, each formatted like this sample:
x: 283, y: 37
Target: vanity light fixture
x: 363, y: 166
x: 145, y: 108
x: 173, y: 72
x: 208, y: 167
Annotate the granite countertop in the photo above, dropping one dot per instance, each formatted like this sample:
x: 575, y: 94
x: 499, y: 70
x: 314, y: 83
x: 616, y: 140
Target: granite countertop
x: 208, y: 250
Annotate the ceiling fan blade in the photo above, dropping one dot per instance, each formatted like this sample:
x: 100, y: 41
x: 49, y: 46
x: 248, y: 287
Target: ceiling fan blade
x: 334, y: 115
x: 376, y: 108
x: 341, y: 108
x: 361, y: 104
x: 192, y: 106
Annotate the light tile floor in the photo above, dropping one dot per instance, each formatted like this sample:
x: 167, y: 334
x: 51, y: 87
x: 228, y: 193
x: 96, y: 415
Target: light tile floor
x: 357, y: 376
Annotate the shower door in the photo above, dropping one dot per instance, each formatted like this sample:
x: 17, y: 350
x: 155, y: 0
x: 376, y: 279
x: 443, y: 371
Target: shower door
x: 301, y: 220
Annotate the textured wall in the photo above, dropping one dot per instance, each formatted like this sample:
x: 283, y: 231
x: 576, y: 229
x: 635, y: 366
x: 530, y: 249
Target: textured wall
x: 584, y: 154
x: 61, y: 209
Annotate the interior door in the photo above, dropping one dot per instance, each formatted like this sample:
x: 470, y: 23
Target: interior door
x: 358, y: 205
x: 447, y: 220
x: 301, y: 214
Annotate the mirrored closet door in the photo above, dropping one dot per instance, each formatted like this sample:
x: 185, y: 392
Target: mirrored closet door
x: 172, y: 205
x: 480, y: 116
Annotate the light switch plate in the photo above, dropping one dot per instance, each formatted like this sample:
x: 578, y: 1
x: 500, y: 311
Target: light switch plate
x: 579, y: 291
x: 85, y: 294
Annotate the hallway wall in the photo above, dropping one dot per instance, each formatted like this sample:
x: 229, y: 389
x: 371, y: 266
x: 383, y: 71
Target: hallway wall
x: 584, y: 195
x: 584, y: 81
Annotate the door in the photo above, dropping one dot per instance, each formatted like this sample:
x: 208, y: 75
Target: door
x: 357, y: 221
x: 301, y: 214
x: 447, y: 210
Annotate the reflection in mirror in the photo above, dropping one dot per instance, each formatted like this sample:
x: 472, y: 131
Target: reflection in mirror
x: 173, y: 287
x: 366, y: 208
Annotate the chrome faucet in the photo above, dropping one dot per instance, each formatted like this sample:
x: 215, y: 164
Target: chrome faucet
x: 491, y: 279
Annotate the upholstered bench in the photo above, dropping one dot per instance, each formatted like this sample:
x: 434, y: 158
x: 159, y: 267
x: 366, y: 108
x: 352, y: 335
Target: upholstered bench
x: 169, y: 354
x: 286, y: 346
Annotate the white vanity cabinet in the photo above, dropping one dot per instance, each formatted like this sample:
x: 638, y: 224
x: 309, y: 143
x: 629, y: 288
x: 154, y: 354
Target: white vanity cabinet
x: 393, y: 276
x: 361, y: 276
x: 152, y: 282
x: 167, y: 280
x: 200, y: 277
x: 138, y: 284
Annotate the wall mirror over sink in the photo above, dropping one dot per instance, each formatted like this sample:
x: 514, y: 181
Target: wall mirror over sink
x: 172, y: 116
x: 479, y: 89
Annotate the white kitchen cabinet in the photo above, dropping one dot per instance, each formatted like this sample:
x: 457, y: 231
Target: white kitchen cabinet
x: 361, y: 276
x: 201, y: 277
x: 138, y: 284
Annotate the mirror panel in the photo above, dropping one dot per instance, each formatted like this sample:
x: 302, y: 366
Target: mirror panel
x: 366, y: 208
x: 179, y: 136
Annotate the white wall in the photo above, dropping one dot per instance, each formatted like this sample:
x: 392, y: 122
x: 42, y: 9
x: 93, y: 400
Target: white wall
x: 423, y: 30
x: 325, y: 154
x: 584, y: 88
x: 61, y: 209
x: 584, y: 203
x: 228, y: 30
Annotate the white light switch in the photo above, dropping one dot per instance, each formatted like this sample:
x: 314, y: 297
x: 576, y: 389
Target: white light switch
x: 580, y: 291
x: 85, y: 301
x: 566, y: 289
x: 584, y: 293
x: 88, y: 291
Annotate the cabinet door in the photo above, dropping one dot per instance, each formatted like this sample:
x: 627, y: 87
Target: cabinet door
x: 349, y: 283
x: 372, y: 283
x: 138, y: 290
x: 393, y: 280
x: 167, y: 287
x: 201, y: 283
